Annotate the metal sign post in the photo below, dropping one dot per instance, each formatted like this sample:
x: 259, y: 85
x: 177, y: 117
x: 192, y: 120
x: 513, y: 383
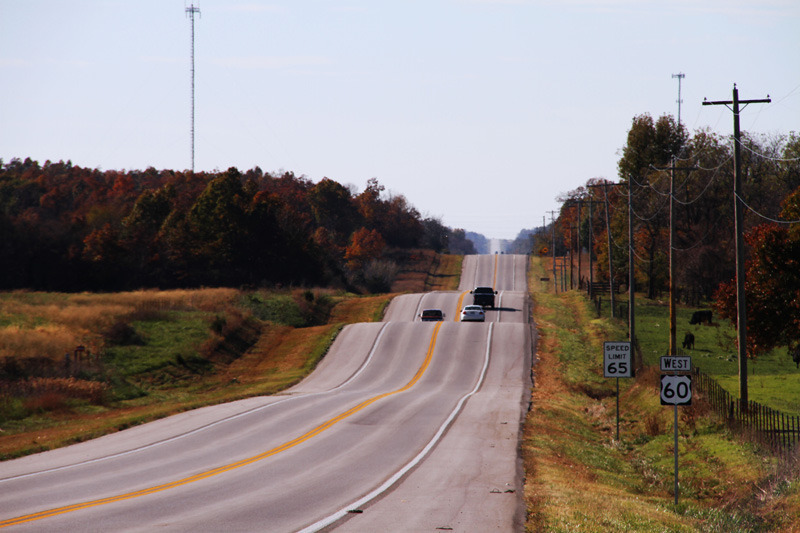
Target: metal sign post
x: 676, y: 389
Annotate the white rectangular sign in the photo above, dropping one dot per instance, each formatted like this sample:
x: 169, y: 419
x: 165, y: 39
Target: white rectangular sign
x: 617, y: 360
x: 676, y: 363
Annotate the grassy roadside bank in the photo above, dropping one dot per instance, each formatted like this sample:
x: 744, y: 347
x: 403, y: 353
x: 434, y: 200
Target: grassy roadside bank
x: 580, y: 478
x: 163, y: 352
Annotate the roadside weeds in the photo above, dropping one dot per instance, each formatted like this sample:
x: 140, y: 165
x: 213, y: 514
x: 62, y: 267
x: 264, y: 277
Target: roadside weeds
x: 579, y: 478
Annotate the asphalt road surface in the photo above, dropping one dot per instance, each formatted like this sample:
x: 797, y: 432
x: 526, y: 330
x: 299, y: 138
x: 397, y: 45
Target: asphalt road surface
x: 404, y: 426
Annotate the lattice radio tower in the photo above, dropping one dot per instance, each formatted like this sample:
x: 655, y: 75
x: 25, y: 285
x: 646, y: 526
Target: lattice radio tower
x: 680, y: 77
x: 190, y: 11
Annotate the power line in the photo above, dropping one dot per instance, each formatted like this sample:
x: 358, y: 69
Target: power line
x: 703, y: 238
x: 705, y: 189
x: 765, y: 217
x: 763, y: 156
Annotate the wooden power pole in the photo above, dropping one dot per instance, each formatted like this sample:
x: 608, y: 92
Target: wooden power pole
x: 741, y: 309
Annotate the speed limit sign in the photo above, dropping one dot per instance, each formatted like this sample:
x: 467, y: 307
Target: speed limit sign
x: 676, y: 390
x: 617, y: 360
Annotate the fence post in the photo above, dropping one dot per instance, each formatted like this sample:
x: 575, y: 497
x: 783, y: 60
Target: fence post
x: 795, y: 436
x: 784, y: 435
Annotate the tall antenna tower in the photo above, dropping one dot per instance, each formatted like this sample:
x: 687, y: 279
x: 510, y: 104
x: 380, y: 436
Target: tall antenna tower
x: 190, y: 11
x: 680, y: 77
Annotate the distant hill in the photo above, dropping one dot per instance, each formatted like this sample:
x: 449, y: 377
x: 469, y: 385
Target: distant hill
x: 523, y: 243
x: 481, y: 243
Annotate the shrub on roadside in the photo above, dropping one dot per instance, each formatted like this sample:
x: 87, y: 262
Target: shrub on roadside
x: 123, y: 334
x: 19, y: 399
x: 315, y: 308
x: 379, y: 275
x: 47, y: 402
x: 92, y: 391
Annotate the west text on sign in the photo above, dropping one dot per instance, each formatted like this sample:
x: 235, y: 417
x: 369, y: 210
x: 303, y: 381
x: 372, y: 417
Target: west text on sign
x: 676, y: 363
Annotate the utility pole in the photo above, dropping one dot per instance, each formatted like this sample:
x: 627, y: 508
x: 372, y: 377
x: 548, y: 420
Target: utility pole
x: 741, y: 309
x: 553, y: 231
x: 580, y: 249
x: 610, y: 255
x: 591, y: 202
x: 575, y: 243
x: 571, y: 260
x: 190, y: 11
x: 631, y: 273
x: 672, y: 313
x: 605, y: 185
x: 591, y: 248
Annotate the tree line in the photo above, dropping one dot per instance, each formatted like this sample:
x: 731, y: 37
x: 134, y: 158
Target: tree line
x: 701, y: 187
x: 68, y: 228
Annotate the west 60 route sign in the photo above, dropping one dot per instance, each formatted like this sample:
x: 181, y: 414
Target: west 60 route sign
x: 617, y: 360
x: 676, y: 390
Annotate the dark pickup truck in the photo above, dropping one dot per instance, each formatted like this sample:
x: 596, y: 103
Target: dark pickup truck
x: 483, y: 296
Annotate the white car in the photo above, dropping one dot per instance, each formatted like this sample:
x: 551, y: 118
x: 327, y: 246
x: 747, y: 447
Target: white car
x: 472, y: 313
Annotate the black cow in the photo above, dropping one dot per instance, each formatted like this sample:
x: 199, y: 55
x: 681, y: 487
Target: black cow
x: 698, y: 317
x: 688, y: 340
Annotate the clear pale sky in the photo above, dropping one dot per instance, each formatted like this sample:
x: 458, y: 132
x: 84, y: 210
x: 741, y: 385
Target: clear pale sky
x: 480, y: 112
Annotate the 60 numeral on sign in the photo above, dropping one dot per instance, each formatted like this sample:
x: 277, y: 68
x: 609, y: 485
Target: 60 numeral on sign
x: 676, y: 390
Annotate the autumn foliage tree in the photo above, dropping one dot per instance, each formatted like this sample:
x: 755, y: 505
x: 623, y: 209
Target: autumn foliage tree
x: 772, y: 284
x: 64, y: 227
x: 364, y: 245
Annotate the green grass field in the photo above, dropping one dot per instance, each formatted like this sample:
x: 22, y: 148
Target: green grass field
x: 581, y: 477
x: 773, y: 378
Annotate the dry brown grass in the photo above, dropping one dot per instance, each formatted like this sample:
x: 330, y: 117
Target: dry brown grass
x: 47, y: 325
x: 563, y: 491
x: 297, y: 344
x: 91, y: 391
x: 417, y: 266
x: 262, y: 357
x: 74, y: 428
x: 447, y: 274
x: 425, y: 270
x: 365, y: 309
x: 200, y: 299
x: 40, y: 341
x: 548, y: 388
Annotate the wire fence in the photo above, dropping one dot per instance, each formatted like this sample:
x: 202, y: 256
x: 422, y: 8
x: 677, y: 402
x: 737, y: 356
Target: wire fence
x: 767, y: 427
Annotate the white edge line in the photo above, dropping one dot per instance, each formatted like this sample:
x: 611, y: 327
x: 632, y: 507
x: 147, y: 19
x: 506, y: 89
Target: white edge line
x: 514, y: 273
x: 212, y: 424
x: 500, y: 306
x: 419, y: 306
x: 338, y: 515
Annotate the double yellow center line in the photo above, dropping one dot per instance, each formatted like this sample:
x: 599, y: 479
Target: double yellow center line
x: 460, y: 303
x: 238, y: 464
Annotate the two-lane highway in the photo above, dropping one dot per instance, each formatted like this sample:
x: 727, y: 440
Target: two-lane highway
x: 404, y: 426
